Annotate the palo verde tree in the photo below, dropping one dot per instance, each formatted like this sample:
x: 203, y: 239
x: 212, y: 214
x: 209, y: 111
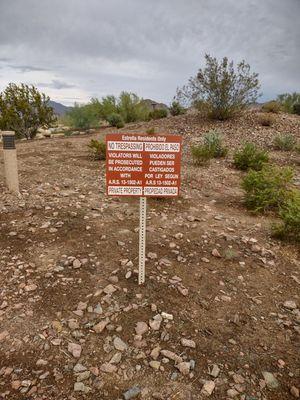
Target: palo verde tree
x: 224, y: 88
x: 24, y: 109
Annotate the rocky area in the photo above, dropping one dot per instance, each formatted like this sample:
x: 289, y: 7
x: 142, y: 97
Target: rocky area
x: 218, y: 316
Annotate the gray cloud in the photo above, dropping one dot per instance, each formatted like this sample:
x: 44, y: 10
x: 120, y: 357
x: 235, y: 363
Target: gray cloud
x: 56, y: 84
x: 147, y: 47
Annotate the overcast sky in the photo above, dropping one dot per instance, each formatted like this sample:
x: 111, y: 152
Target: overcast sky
x: 77, y: 49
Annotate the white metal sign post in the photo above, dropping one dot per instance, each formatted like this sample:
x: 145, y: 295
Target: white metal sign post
x: 142, y: 239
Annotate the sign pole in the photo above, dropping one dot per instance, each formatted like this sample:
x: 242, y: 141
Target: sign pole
x: 142, y: 239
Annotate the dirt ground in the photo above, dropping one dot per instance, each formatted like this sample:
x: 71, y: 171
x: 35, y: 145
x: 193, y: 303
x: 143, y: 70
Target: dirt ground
x: 68, y: 261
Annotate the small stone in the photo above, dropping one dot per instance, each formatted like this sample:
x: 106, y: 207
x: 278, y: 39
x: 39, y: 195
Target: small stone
x: 167, y: 316
x: 172, y: 356
x: 3, y: 335
x: 270, y: 379
x: 15, y: 385
x: 128, y: 274
x: 75, y: 349
x: 152, y: 256
x: 155, y: 353
x: 216, y: 253
x: 109, y: 289
x: 290, y: 305
x: 183, y: 367
x: 76, y: 263
x: 119, y: 344
x: 188, y: 343
x: 98, y: 328
x: 154, y: 364
x: 79, y: 387
x: 215, y: 371
x: 41, y: 362
x: 154, y: 324
x: 30, y: 288
x: 116, y: 358
x: 79, y: 368
x: 82, y: 376
x: 208, y: 388
x: 295, y: 392
x: 132, y: 393
x: 141, y: 328
x: 108, y: 368
x: 232, y: 393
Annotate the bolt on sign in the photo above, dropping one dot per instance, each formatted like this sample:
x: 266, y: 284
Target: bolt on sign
x: 143, y: 165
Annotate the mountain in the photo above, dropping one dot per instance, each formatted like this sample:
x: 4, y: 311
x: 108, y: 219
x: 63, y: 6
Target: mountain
x: 59, y: 108
x: 152, y: 105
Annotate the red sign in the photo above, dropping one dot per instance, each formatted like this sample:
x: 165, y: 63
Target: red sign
x: 143, y: 165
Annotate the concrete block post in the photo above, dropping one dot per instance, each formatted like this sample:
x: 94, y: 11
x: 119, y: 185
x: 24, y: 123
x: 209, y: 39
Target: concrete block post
x: 10, y: 161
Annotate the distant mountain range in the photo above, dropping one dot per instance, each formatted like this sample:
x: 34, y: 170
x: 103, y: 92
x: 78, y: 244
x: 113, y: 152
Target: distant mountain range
x: 59, y: 108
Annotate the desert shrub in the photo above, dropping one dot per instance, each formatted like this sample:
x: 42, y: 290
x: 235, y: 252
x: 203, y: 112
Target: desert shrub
x: 150, y: 131
x: 131, y: 108
x: 98, y: 149
x: 284, y: 142
x: 226, y: 90
x: 268, y: 188
x: 115, y: 120
x: 176, y: 108
x: 250, y: 157
x: 271, y: 107
x: 213, y: 141
x: 287, y: 101
x: 24, y: 109
x: 201, y: 154
x: 296, y: 108
x: 290, y: 216
x: 158, y: 113
x: 266, y: 120
x: 83, y: 116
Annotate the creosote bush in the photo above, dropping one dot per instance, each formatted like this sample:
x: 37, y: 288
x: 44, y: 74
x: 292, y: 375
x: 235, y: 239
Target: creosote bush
x: 158, y: 113
x: 98, y: 149
x: 288, y: 100
x: 115, y: 120
x: 250, y: 157
x: 266, y: 120
x: 267, y: 189
x: 271, y: 107
x: 296, y: 108
x: 285, y: 142
x: 289, y: 213
x: 176, y: 108
x: 212, y: 147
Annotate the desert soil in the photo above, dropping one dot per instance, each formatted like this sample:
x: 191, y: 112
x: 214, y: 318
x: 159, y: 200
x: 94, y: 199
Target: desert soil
x: 218, y: 316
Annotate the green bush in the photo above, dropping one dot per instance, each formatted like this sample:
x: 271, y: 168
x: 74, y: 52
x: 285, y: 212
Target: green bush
x: 290, y: 216
x: 296, y: 108
x: 266, y: 120
x: 150, y: 131
x: 83, y: 116
x: 250, y: 157
x: 284, y: 142
x: 201, y: 154
x: 287, y: 101
x: 176, y: 108
x: 98, y: 149
x: 115, y: 120
x: 213, y: 140
x: 271, y: 107
x: 268, y: 188
x: 158, y: 113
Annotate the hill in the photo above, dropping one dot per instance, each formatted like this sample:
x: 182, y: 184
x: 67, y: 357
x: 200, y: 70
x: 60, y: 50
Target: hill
x: 59, y: 109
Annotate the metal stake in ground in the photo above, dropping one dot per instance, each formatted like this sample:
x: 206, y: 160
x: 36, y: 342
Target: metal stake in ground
x: 142, y: 239
x: 10, y: 161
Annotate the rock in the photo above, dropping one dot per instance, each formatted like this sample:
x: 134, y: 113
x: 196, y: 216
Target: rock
x: 183, y: 367
x: 141, y: 328
x: 82, y: 376
x: 290, y: 305
x: 109, y: 289
x: 108, y: 368
x: 98, y: 328
x: 188, y: 343
x: 119, y: 344
x: 41, y: 362
x: 3, y: 335
x: 76, y: 263
x: 15, y: 385
x: 132, y: 393
x: 155, y: 353
x: 79, y: 368
x: 208, y: 388
x: 154, y: 364
x: 232, y: 393
x: 270, y: 379
x: 167, y: 316
x: 172, y: 356
x: 154, y: 324
x: 216, y: 253
x: 75, y: 349
x: 214, y: 371
x: 116, y: 358
x: 178, y: 235
x: 30, y: 288
x: 152, y: 256
x: 79, y: 387
x: 57, y: 326
x: 295, y: 392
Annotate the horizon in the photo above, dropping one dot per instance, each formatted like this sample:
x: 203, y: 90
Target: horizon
x: 75, y: 51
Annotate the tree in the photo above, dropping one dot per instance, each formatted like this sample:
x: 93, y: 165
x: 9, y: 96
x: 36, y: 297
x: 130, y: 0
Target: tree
x: 24, y: 109
x: 224, y: 89
x: 84, y: 116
